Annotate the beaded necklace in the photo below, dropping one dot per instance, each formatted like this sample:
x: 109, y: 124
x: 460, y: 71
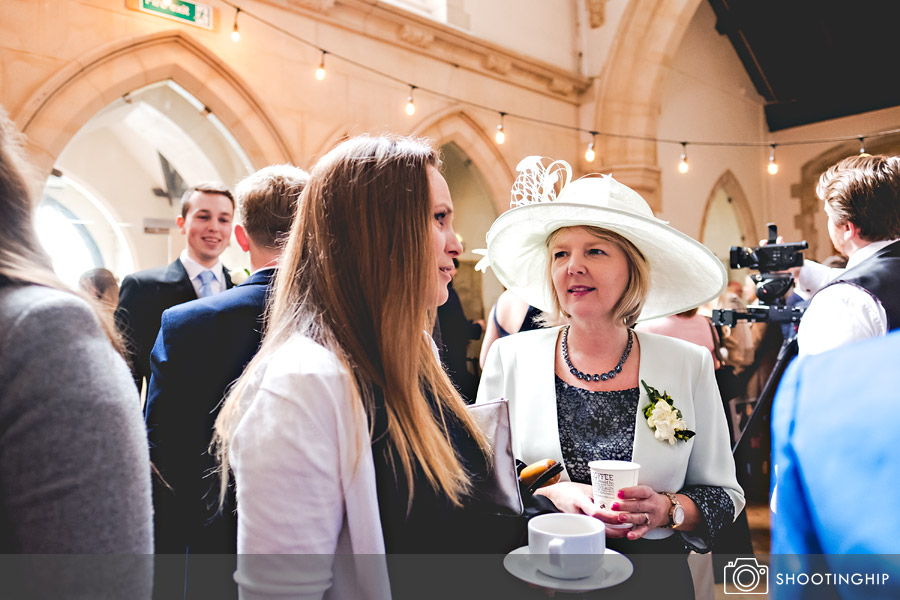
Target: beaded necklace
x: 597, y: 376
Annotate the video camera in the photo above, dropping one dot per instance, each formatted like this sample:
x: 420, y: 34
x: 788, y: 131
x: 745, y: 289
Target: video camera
x: 772, y: 282
x: 771, y: 257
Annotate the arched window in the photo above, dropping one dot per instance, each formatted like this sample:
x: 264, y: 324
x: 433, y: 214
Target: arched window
x: 66, y: 239
x: 727, y: 221
x: 123, y: 173
x: 78, y: 231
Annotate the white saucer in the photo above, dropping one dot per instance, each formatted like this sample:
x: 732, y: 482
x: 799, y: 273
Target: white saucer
x: 615, y: 569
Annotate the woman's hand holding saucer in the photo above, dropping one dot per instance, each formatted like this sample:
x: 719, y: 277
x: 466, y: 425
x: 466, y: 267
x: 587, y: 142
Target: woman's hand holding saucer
x: 643, y: 507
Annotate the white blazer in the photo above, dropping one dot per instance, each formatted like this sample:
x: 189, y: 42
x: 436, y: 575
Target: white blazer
x: 521, y: 367
x: 305, y: 479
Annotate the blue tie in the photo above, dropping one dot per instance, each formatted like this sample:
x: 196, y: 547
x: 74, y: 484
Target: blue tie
x: 206, y: 278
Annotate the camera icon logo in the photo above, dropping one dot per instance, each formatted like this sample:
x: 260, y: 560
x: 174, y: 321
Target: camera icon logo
x: 746, y: 576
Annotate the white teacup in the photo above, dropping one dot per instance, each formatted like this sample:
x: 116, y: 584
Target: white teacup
x: 610, y: 476
x: 566, y: 546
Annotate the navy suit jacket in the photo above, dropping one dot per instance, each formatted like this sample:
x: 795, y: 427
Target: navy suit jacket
x: 202, y: 347
x: 834, y: 447
x: 142, y: 299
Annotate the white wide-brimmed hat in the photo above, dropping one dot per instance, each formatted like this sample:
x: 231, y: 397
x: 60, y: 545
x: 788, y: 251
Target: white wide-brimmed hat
x: 683, y: 272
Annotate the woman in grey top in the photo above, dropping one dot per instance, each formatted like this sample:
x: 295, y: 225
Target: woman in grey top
x: 74, y: 465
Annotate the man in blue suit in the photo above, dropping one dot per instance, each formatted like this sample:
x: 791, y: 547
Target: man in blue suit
x: 834, y: 446
x: 202, y: 347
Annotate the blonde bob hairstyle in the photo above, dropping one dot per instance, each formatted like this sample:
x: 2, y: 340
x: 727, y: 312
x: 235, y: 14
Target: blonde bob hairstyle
x: 355, y: 277
x: 628, y: 308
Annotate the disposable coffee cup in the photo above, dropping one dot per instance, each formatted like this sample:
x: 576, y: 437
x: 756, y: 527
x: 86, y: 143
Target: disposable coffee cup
x: 566, y: 546
x: 607, y: 478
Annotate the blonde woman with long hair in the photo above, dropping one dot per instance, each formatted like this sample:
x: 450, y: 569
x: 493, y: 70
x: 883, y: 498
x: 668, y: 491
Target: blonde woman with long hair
x: 344, y: 433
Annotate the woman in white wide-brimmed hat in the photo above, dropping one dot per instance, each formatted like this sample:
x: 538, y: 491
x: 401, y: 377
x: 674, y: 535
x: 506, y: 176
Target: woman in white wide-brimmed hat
x: 595, y: 260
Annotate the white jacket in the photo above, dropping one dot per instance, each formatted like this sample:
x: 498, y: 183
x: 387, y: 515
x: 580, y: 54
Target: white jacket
x: 520, y: 368
x: 305, y: 477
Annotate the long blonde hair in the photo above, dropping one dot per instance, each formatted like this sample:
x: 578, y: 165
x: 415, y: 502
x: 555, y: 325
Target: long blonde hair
x: 22, y: 258
x: 354, y: 277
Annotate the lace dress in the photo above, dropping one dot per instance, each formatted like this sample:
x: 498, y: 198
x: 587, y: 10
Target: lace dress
x: 600, y: 426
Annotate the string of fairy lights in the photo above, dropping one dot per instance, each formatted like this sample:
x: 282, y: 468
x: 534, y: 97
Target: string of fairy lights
x: 500, y: 135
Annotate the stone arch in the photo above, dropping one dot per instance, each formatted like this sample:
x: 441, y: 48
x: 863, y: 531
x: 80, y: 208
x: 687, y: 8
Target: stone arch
x: 454, y: 125
x: 811, y: 220
x: 630, y: 90
x: 739, y: 203
x: 340, y: 134
x: 54, y: 113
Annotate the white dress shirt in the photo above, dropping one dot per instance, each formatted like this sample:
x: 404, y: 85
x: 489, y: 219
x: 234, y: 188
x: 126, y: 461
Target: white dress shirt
x: 842, y: 313
x: 194, y: 269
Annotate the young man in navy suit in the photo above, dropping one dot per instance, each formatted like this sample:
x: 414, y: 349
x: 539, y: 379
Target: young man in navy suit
x: 207, y: 210
x: 202, y: 347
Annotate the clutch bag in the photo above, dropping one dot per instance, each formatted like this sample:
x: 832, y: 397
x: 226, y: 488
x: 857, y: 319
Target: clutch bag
x: 501, y: 487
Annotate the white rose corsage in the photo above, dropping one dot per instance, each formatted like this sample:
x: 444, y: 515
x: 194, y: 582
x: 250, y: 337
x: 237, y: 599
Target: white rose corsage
x: 239, y: 276
x: 663, y: 418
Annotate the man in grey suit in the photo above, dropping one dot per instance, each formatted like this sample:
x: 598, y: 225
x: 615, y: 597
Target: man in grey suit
x: 207, y: 211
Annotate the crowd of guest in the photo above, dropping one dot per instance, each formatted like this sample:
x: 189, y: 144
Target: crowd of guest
x: 321, y: 407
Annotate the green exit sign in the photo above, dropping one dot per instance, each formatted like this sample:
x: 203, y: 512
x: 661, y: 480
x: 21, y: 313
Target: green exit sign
x: 190, y: 13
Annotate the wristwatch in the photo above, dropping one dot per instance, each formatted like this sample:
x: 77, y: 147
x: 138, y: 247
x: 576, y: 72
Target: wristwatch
x: 676, y: 512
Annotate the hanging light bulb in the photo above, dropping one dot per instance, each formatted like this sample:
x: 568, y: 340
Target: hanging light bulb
x: 410, y: 105
x: 773, y: 166
x: 235, y: 34
x: 862, y: 147
x: 320, y: 72
x: 500, y: 137
x: 590, y: 155
x: 683, y: 165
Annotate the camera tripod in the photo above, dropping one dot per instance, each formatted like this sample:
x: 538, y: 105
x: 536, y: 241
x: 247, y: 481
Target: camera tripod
x: 773, y: 288
x: 763, y: 405
x: 734, y: 541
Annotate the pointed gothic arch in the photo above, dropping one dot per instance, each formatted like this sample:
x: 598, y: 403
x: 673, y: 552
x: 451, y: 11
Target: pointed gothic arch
x: 53, y: 114
x: 454, y: 125
x: 462, y: 135
x: 730, y: 185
